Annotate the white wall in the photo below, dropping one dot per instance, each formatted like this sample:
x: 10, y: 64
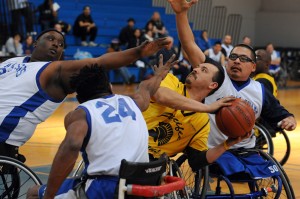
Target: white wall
x: 275, y: 21
x: 246, y: 8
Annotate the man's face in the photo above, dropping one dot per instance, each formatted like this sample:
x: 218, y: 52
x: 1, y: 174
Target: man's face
x: 87, y: 11
x: 227, y: 40
x: 201, y: 77
x: 49, y: 47
x: 240, y: 70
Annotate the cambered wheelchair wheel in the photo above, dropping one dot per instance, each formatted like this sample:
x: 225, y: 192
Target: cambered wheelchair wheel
x: 15, y: 178
x: 264, y: 140
x: 240, y: 185
x: 287, y: 190
x: 282, y: 154
x: 267, y: 142
x: 196, y: 181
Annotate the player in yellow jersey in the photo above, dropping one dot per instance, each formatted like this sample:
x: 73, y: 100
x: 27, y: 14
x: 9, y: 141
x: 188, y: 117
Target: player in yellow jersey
x: 263, y: 61
x: 172, y: 130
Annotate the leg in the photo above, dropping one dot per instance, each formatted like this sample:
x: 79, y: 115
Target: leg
x: 28, y: 16
x: 93, y: 33
x: 15, y: 16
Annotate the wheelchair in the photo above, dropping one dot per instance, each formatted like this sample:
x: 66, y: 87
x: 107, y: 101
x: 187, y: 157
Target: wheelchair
x: 15, y: 178
x: 139, y: 180
x: 265, y: 142
x: 244, y: 185
x: 146, y: 179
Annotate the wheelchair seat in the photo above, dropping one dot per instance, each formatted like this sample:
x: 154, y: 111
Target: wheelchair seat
x: 146, y: 179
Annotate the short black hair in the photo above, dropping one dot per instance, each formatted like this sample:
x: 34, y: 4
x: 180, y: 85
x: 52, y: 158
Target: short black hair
x: 219, y: 76
x: 131, y: 19
x: 50, y: 30
x: 253, y: 54
x: 91, y: 82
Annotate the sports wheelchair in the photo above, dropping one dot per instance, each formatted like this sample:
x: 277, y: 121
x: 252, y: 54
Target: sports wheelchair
x: 147, y: 179
x: 211, y: 181
x: 265, y: 142
x: 15, y: 178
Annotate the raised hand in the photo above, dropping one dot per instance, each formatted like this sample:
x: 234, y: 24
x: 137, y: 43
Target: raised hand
x: 163, y: 70
x: 180, y: 6
x: 149, y: 48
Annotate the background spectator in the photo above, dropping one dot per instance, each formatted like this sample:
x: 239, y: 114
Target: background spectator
x: 18, y: 9
x: 274, y: 68
x: 47, y: 14
x: 246, y: 40
x: 159, y: 28
x: 226, y: 46
x: 203, y: 41
x: 13, y: 45
x: 183, y: 68
x: 28, y: 45
x: 215, y: 53
x: 126, y: 35
x: 123, y: 71
x: 84, y: 26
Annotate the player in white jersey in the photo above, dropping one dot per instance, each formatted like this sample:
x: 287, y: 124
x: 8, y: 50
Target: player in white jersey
x: 106, y: 128
x: 215, y: 53
x: 30, y: 92
x: 237, y: 82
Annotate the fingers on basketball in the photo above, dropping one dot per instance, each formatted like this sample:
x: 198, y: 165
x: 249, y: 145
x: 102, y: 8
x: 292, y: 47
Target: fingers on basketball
x: 236, y: 120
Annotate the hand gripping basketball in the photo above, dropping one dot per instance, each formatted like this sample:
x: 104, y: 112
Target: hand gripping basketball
x: 236, y: 120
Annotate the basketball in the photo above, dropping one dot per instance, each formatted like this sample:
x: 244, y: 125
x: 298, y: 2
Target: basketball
x: 236, y: 120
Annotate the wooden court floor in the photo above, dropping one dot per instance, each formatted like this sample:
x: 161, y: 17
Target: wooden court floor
x: 41, y: 148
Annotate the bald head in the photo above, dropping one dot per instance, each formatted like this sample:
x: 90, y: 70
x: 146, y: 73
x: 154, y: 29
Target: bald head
x: 263, y: 61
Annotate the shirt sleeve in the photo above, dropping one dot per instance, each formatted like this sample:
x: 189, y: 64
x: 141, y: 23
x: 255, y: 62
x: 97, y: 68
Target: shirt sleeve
x: 272, y: 111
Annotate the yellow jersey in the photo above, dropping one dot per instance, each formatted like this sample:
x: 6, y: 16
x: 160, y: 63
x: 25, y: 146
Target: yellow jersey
x: 171, y: 130
x: 270, y: 79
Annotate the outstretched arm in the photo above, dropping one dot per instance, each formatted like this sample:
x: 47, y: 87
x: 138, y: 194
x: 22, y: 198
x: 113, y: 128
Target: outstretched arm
x: 56, y: 77
x: 147, y: 88
x: 172, y: 99
x: 186, y: 36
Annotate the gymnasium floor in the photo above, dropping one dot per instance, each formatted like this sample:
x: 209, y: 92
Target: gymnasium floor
x: 42, y: 147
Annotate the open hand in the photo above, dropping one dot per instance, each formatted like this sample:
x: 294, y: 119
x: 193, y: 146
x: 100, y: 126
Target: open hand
x: 163, y: 70
x: 180, y: 6
x: 149, y: 48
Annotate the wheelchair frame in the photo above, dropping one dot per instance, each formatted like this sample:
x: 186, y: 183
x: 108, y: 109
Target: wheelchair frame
x: 13, y: 178
x: 257, y: 187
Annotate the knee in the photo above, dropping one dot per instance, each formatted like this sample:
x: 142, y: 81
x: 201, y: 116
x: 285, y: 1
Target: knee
x: 32, y: 192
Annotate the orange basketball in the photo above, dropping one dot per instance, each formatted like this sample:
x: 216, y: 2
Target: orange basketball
x: 236, y: 120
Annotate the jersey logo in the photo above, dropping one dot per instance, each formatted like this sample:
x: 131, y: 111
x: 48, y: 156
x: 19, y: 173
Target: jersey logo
x: 162, y: 133
x: 19, y: 68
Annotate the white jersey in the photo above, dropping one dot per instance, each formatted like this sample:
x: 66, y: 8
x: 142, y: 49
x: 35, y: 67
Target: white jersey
x: 212, y: 55
x: 14, y: 60
x: 251, y: 91
x: 23, y: 103
x: 227, y: 49
x: 116, y: 130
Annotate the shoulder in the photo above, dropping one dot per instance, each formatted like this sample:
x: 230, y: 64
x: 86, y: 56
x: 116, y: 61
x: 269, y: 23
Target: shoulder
x: 76, y: 115
x: 170, y: 81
